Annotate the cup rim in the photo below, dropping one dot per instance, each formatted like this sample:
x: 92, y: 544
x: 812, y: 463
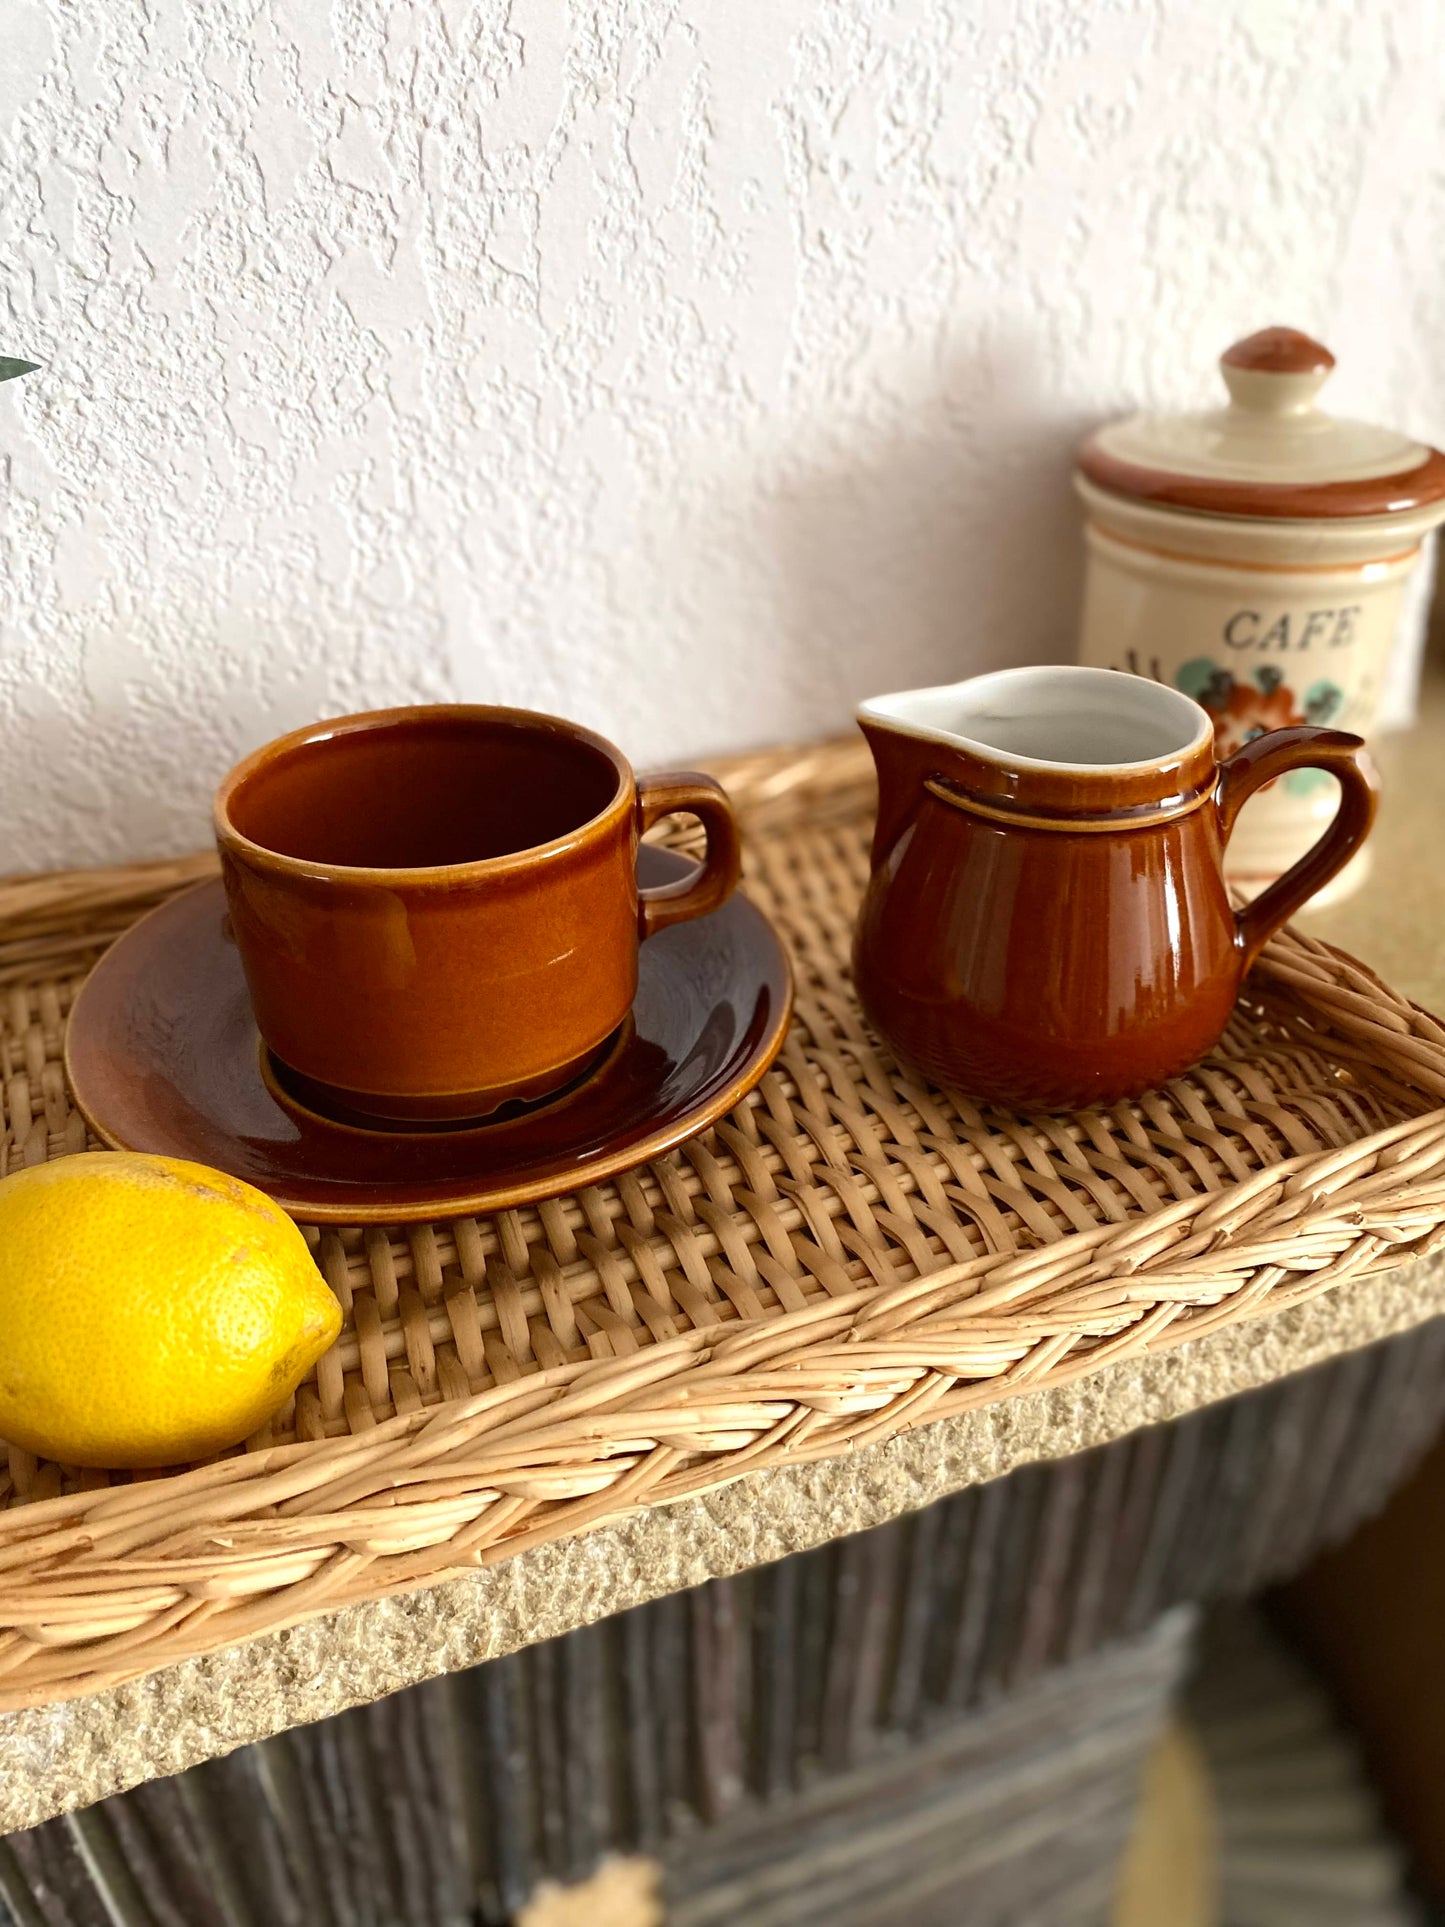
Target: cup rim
x: 260, y: 856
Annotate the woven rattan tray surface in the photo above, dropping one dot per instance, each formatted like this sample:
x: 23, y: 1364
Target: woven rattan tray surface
x: 849, y: 1254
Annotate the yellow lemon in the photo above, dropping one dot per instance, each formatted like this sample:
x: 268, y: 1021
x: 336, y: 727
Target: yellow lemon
x: 151, y: 1311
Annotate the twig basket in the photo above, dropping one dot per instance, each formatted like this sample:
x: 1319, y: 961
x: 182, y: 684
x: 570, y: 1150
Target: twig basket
x: 851, y: 1253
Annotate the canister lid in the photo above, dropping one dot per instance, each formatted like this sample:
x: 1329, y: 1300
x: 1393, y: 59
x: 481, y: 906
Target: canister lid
x: 1271, y: 451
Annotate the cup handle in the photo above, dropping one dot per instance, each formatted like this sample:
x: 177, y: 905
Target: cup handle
x: 685, y: 792
x: 1259, y: 762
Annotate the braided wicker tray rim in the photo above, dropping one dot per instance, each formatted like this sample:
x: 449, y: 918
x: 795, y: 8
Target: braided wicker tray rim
x: 796, y: 1358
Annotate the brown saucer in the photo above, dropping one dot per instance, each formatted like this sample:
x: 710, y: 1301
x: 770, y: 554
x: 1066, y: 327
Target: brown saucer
x: 162, y: 1055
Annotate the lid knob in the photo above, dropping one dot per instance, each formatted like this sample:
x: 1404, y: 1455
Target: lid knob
x: 1278, y: 371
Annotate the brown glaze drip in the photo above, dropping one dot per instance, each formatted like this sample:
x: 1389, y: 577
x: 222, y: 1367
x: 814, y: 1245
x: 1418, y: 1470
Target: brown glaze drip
x: 1280, y: 351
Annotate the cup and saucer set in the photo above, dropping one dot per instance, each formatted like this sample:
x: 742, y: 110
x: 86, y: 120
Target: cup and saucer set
x: 442, y: 974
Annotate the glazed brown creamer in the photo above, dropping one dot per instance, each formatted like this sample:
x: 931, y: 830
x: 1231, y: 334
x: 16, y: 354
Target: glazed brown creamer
x: 1047, y: 921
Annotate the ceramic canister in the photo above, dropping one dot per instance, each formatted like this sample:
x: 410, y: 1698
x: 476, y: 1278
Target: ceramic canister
x: 1255, y: 557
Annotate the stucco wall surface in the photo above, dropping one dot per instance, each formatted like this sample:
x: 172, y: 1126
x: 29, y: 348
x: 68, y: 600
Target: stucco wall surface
x: 690, y: 368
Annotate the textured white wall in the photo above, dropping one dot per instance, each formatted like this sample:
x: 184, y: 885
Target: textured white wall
x: 691, y: 368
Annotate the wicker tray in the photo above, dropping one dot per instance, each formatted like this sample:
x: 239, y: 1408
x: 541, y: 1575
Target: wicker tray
x: 850, y: 1254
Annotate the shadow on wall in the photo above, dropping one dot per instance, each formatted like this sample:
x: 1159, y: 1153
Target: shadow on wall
x: 130, y: 771
x: 944, y: 542
x: 147, y: 795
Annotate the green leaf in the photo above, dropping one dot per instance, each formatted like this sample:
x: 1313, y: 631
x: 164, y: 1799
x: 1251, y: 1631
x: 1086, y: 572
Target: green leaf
x: 10, y: 367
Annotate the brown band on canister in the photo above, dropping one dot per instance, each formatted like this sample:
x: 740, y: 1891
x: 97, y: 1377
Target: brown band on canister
x: 1412, y: 488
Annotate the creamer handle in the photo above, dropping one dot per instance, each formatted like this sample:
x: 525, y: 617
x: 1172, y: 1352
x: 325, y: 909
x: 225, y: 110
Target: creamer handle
x: 1260, y: 762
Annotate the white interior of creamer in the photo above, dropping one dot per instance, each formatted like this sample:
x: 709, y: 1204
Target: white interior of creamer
x: 1059, y: 717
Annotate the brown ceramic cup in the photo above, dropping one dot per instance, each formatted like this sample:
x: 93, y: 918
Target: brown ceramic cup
x: 437, y: 908
x: 1047, y: 921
